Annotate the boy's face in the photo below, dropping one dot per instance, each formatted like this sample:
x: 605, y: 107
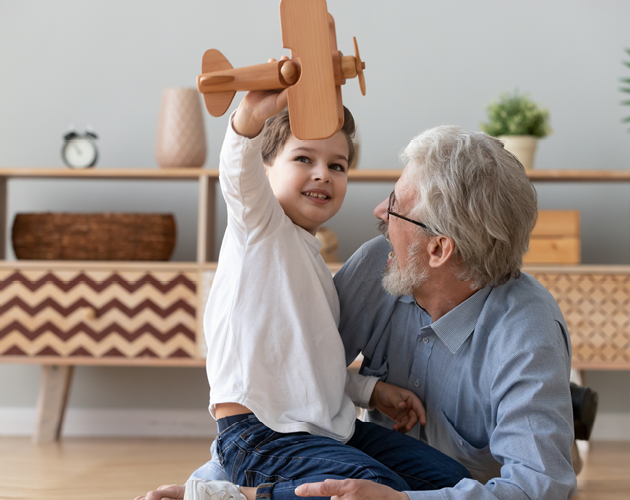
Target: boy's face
x: 309, y: 179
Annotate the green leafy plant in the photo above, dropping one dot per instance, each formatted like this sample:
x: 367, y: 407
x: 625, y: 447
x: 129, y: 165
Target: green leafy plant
x: 626, y: 88
x: 516, y: 114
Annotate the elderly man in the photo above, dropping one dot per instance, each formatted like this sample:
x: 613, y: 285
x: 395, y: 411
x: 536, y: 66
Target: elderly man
x: 484, y: 346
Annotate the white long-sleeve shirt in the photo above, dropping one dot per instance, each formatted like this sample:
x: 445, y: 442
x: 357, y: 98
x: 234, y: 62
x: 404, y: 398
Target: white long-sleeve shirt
x: 273, y: 312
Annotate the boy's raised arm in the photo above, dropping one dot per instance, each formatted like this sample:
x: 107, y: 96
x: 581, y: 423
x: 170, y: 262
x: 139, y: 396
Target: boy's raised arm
x: 241, y: 168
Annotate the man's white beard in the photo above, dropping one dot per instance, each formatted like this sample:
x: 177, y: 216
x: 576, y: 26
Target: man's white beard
x: 397, y: 281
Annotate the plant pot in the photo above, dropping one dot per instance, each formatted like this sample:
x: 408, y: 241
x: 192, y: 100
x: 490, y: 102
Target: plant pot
x: 181, y: 137
x: 521, y: 146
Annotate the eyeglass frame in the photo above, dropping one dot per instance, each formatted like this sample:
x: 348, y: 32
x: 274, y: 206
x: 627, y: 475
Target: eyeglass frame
x: 389, y: 212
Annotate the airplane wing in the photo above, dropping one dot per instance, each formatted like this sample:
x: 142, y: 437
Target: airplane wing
x: 315, y: 107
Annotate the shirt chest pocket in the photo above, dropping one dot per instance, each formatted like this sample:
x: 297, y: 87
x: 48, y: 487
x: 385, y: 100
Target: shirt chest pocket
x: 479, y: 461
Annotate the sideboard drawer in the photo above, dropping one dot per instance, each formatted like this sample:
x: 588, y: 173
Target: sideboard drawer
x: 98, y: 314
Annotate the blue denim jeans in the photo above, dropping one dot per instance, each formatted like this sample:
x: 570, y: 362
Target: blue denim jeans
x: 254, y: 455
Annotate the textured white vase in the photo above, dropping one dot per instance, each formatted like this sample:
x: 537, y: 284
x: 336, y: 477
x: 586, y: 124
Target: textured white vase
x: 521, y: 146
x: 181, y: 136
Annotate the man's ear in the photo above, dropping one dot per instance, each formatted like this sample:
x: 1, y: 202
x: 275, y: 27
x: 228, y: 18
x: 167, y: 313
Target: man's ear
x: 267, y: 167
x: 441, y: 249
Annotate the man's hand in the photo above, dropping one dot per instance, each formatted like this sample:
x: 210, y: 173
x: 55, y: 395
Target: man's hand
x: 349, y: 489
x: 165, y: 492
x: 401, y: 405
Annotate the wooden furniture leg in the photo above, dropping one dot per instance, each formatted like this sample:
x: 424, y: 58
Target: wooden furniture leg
x: 53, y: 396
x: 205, y: 220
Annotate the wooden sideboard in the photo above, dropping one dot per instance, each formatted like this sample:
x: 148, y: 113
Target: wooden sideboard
x: 64, y: 313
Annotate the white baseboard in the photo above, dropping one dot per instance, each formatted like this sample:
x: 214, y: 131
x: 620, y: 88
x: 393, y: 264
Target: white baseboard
x: 101, y: 422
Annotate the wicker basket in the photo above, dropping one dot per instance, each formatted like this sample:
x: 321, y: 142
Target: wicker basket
x: 104, y: 236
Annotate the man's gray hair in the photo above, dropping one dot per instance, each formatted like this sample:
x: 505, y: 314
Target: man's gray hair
x: 472, y: 190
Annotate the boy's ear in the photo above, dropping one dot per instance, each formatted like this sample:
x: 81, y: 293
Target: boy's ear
x: 267, y: 167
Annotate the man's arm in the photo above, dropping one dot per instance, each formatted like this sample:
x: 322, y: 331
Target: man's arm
x: 532, y: 437
x: 363, y: 316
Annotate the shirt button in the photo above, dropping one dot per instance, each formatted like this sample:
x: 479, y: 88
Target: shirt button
x: 461, y: 442
x: 425, y: 340
x: 417, y: 383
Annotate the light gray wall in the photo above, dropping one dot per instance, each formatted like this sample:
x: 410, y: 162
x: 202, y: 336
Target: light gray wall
x: 428, y: 63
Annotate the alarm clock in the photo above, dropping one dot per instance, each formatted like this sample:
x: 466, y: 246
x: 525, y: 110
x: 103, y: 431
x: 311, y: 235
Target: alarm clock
x: 79, y: 150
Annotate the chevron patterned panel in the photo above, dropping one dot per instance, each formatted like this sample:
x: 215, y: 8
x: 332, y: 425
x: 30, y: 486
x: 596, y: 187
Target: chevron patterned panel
x: 596, y: 308
x: 111, y: 314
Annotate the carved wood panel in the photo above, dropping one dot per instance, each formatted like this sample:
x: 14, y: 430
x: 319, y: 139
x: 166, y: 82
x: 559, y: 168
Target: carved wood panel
x: 98, y: 314
x: 596, y: 308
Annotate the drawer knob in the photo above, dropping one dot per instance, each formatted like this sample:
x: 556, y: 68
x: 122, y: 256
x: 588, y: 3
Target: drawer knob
x: 89, y: 313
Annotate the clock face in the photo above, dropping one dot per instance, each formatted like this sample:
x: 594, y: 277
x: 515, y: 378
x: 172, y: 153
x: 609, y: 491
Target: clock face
x: 79, y: 153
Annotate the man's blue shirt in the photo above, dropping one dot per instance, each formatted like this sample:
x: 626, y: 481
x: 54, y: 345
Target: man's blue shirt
x: 493, y: 375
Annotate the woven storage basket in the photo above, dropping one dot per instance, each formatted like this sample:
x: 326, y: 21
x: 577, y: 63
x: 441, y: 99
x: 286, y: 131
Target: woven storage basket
x: 104, y: 236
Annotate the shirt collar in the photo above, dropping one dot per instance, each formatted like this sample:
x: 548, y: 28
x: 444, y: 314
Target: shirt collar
x: 407, y: 299
x: 458, y: 324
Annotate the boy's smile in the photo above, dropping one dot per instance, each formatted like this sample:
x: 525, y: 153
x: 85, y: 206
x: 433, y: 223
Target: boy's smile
x: 318, y: 196
x: 309, y: 179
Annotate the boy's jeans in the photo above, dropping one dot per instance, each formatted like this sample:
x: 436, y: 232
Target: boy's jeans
x: 251, y: 454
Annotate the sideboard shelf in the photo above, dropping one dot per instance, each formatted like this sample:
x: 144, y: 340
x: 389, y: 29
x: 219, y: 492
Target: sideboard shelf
x: 207, y: 179
x: 355, y: 175
x: 108, y: 173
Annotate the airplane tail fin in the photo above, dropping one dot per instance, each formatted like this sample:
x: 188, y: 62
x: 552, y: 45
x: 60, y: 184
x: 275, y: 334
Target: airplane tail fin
x: 217, y: 103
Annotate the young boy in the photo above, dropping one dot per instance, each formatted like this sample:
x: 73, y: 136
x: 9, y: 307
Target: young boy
x: 280, y: 390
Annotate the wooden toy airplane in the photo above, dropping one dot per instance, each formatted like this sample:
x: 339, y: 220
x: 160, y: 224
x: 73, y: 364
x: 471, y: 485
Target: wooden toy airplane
x: 314, y: 73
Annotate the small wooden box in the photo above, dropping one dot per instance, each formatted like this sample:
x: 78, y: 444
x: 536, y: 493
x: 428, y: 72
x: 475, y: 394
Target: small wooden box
x: 555, y: 239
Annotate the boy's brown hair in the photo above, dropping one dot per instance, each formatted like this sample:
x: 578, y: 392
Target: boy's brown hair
x: 278, y: 131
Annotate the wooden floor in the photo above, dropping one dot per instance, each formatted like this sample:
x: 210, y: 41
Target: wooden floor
x: 606, y: 472
x: 95, y: 469
x: 113, y: 469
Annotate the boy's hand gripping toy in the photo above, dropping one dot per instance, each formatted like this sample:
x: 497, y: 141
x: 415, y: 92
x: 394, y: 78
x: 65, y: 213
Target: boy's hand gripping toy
x: 314, y: 74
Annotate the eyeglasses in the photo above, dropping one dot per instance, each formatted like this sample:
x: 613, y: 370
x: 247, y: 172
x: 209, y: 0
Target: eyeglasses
x: 392, y: 198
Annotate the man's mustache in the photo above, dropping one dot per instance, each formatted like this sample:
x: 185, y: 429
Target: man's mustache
x: 383, y: 228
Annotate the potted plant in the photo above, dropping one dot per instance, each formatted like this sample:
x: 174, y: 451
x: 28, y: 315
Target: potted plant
x: 626, y: 88
x: 518, y: 122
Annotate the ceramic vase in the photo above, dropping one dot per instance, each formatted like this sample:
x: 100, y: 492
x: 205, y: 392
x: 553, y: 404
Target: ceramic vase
x: 521, y: 146
x: 181, y: 136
